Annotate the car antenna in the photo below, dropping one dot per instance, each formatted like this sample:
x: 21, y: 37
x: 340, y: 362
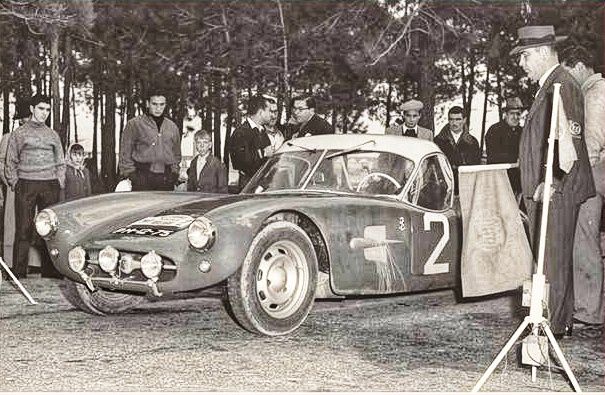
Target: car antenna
x: 349, y: 150
x: 291, y: 144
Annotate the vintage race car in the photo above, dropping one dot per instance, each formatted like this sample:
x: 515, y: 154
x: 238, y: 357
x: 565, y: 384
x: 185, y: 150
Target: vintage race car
x: 332, y: 216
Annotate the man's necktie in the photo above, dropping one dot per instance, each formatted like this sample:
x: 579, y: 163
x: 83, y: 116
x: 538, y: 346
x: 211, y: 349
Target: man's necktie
x: 410, y: 132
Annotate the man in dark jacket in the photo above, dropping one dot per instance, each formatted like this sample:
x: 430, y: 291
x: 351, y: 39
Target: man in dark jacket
x: 248, y: 141
x: 206, y: 172
x: 150, y: 149
x: 311, y: 124
x: 502, y: 140
x: 572, y: 178
x: 457, y: 144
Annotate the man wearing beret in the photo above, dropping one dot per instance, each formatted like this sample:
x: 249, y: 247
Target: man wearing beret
x: 411, y: 115
x: 502, y: 140
x: 572, y: 179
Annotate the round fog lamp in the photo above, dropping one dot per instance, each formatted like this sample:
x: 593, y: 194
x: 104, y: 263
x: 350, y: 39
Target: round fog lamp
x: 46, y: 222
x: 151, y: 265
x: 76, y: 258
x: 108, y: 259
x: 201, y: 233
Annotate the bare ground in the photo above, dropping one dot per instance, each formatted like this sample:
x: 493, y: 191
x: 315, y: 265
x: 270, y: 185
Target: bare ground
x: 421, y: 342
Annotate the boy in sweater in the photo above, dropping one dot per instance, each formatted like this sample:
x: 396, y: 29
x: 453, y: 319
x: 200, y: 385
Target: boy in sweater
x: 35, y: 170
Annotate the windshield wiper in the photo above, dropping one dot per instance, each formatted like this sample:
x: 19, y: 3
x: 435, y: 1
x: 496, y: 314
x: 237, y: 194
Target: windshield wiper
x: 349, y: 150
x: 291, y: 144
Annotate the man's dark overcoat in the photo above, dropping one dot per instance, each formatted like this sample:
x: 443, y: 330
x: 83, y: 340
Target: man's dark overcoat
x: 246, y: 150
x: 502, y: 146
x: 315, y: 125
x: 212, y: 179
x: 571, y: 189
x: 465, y: 152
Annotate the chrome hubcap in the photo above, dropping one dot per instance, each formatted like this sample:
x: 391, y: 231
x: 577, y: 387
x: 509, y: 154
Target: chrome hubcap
x: 282, y: 279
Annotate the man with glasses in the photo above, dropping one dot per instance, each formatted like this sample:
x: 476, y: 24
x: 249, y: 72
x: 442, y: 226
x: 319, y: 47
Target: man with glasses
x: 502, y: 140
x: 411, y: 115
x: 311, y: 124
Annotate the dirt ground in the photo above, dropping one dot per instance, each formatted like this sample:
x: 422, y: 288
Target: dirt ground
x: 421, y: 342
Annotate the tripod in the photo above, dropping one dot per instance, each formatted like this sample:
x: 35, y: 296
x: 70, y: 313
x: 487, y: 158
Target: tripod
x: 21, y: 287
x: 536, y: 312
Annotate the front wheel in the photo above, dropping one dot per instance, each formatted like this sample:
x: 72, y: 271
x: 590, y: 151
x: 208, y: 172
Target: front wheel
x: 99, y: 302
x: 274, y: 289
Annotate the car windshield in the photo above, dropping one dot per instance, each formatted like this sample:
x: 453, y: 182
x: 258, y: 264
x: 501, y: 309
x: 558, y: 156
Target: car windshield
x: 283, y: 171
x: 359, y: 171
x: 364, y: 172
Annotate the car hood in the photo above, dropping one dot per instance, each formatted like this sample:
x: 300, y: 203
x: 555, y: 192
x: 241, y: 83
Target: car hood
x: 115, y: 207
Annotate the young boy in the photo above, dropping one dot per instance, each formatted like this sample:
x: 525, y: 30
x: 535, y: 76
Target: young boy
x: 77, y: 176
x: 206, y: 172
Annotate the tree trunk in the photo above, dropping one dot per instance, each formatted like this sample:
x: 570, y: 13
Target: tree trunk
x: 389, y: 104
x: 6, y: 127
x: 471, y: 88
x: 54, y: 80
x: 216, y: 81
x: 73, y: 106
x: 485, y: 100
x: 108, y: 141
x: 94, y: 168
x: 67, y: 79
x: 285, y: 43
x: 499, y: 84
x: 207, y: 121
x: 426, y: 84
x: 463, y: 85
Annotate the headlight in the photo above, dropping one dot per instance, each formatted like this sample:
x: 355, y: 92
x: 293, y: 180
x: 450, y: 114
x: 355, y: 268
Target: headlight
x: 201, y: 233
x: 76, y: 259
x: 108, y: 259
x: 151, y: 265
x: 46, y: 222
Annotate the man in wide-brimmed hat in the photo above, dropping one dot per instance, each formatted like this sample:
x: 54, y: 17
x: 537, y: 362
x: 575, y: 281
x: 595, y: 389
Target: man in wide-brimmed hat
x: 572, y: 179
x: 502, y: 139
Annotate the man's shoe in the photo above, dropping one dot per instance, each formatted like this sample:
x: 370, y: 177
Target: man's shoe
x: 566, y: 334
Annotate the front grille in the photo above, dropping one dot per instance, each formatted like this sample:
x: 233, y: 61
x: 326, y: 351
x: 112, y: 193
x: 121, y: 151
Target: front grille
x: 92, y: 259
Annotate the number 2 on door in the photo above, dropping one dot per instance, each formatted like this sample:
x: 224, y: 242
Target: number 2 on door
x: 430, y: 267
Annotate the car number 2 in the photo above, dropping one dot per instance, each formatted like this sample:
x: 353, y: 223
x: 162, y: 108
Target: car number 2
x: 430, y: 266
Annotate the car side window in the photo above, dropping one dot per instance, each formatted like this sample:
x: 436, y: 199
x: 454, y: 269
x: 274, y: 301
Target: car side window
x: 432, y: 188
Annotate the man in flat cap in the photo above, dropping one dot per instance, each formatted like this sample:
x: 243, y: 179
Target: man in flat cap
x: 411, y: 115
x: 572, y: 179
x: 502, y: 140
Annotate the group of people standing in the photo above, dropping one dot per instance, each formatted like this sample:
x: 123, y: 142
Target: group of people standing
x: 151, y: 149
x: 574, y: 265
x: 34, y: 169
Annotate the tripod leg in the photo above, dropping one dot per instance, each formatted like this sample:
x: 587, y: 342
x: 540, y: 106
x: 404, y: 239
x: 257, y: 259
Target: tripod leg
x: 21, y: 287
x: 561, y: 357
x: 501, y: 355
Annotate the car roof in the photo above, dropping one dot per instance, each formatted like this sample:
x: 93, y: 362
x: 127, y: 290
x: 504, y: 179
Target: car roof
x: 410, y: 147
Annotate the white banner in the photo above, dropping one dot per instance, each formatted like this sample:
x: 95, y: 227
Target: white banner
x: 496, y: 256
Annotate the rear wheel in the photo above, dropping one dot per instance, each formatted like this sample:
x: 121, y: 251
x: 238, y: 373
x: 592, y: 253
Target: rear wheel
x: 99, y: 302
x: 274, y: 289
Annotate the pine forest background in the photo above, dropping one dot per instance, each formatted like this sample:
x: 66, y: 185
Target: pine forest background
x: 357, y: 57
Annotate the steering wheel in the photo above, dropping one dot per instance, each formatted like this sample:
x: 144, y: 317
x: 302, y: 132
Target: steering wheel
x: 367, y: 177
